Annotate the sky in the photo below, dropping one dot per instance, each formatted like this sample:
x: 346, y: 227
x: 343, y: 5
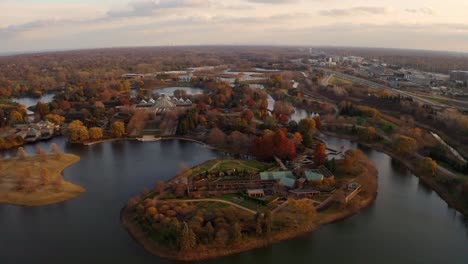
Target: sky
x: 34, y: 25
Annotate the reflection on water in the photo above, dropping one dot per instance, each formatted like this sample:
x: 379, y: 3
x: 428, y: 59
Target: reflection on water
x: 407, y: 224
x: 170, y: 90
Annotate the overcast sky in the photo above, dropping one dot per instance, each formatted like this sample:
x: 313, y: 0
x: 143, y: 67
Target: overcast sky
x: 27, y: 25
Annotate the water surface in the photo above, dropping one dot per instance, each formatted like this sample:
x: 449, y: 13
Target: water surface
x: 407, y: 224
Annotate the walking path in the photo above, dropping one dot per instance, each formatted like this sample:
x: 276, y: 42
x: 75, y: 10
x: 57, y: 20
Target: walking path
x: 213, y: 200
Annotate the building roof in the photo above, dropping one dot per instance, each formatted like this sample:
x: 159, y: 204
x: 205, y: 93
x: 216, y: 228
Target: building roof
x: 164, y: 102
x: 313, y: 176
x: 255, y: 191
x: 321, y: 170
x: 286, y: 178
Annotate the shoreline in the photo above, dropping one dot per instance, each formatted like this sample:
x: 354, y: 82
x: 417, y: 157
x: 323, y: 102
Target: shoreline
x: 429, y: 182
x: 141, y: 238
x: 35, y: 199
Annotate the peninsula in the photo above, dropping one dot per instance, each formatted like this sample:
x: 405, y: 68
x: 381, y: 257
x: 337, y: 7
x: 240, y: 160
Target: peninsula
x: 37, y: 180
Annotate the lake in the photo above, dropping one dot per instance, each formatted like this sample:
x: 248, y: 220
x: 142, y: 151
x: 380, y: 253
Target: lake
x: 170, y: 90
x: 407, y: 224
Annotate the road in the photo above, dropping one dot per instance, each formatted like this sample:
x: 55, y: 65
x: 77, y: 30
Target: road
x: 376, y: 86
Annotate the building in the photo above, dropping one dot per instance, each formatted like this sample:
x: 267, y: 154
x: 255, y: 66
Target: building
x: 314, y: 176
x: 285, y: 178
x: 461, y: 76
x: 256, y: 193
x: 319, y: 174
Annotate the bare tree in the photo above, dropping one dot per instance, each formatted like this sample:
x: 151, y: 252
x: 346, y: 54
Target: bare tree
x: 56, y: 150
x: 41, y: 153
x: 45, y: 176
x: 21, y: 153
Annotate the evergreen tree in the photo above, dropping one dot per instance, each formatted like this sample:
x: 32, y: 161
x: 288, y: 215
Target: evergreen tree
x: 188, y: 240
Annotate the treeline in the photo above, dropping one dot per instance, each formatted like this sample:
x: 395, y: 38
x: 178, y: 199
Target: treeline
x: 35, y: 74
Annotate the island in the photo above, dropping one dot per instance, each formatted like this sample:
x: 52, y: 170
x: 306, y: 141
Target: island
x: 37, y: 180
x: 224, y: 207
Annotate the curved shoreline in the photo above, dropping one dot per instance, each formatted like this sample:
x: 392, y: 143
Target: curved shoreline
x: 70, y: 190
x: 426, y: 180
x: 141, y: 238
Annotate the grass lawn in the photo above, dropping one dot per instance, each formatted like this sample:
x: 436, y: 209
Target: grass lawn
x: 238, y: 199
x: 225, y: 165
x: 337, y: 81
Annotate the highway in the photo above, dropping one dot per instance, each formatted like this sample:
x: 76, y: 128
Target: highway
x: 376, y: 86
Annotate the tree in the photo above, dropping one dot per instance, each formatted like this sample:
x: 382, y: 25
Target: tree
x: 78, y: 133
x: 56, y: 119
x: 238, y: 142
x: 367, y: 134
x: 15, y: 118
x: 56, y: 150
x: 307, y: 126
x: 404, y: 145
x: 41, y: 153
x: 268, y: 222
x: 45, y: 176
x: 23, y: 178
x: 298, y: 138
x: 429, y: 167
x: 216, y: 137
x: 247, y: 115
x: 236, y: 233
x: 137, y: 122
x: 42, y: 109
x: 21, y: 154
x: 188, y: 240
x: 258, y: 224
x: 118, y: 129
x: 95, y: 133
x: 320, y: 155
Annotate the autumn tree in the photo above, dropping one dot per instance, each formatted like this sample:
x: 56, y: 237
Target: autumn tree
x: 15, y: 118
x: 298, y: 138
x: 41, y: 153
x: 22, y: 179
x: 188, y: 240
x: 118, y: 129
x: 236, y: 232
x: 42, y: 109
x: 95, y: 133
x: 367, y: 134
x: 320, y: 155
x: 56, y: 119
x: 216, y: 137
x: 21, y: 153
x: 56, y: 150
x: 307, y: 126
x: 428, y: 167
x: 238, y: 142
x: 247, y: 115
x: 404, y: 145
x: 137, y: 122
x: 44, y: 176
x: 78, y: 133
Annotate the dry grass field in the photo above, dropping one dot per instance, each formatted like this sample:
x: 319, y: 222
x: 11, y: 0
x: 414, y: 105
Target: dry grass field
x: 37, y: 180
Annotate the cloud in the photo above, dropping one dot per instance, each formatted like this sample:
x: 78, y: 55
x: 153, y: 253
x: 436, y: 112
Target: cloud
x: 274, y: 1
x: 360, y: 10
x: 142, y: 8
x: 422, y: 10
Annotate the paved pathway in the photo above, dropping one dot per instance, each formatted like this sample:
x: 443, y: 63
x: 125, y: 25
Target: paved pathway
x: 212, y: 200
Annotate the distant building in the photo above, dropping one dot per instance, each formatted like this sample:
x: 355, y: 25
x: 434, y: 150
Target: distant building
x: 459, y: 76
